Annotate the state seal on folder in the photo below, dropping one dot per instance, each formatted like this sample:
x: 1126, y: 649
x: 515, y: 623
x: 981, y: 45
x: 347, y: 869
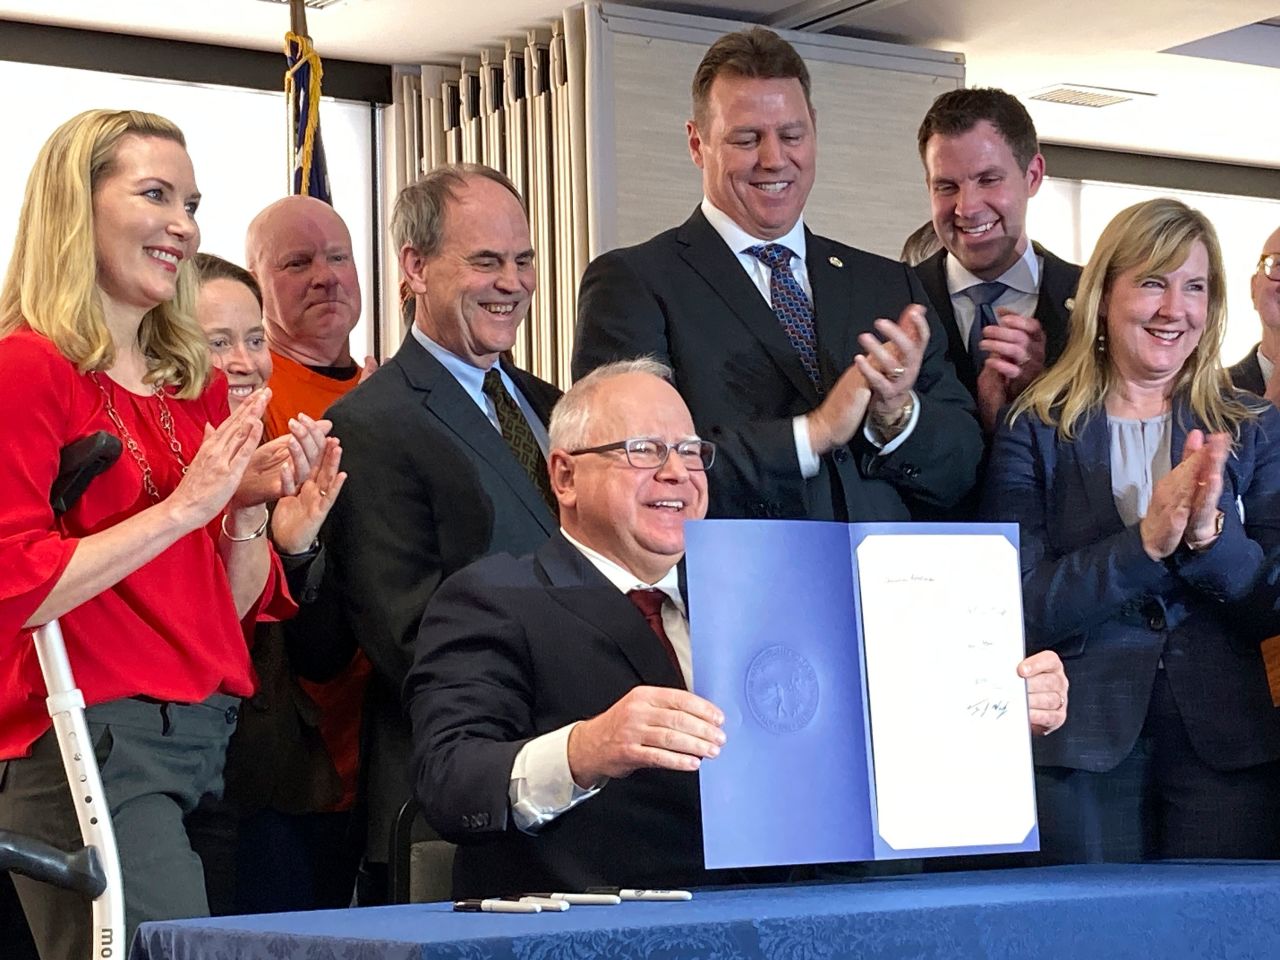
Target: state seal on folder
x: 782, y: 690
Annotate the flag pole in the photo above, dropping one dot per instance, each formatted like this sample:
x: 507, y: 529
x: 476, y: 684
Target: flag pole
x: 298, y: 26
x: 298, y: 17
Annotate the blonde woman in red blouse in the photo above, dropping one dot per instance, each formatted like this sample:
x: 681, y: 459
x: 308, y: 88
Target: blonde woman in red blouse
x: 153, y: 570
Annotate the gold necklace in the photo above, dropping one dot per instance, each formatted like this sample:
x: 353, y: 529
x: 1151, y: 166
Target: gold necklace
x: 135, y: 451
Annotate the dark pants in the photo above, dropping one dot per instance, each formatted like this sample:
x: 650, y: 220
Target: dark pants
x: 1162, y: 802
x: 14, y: 934
x: 273, y: 862
x: 157, y: 762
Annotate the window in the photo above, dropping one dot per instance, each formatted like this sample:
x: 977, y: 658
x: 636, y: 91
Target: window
x: 1067, y: 217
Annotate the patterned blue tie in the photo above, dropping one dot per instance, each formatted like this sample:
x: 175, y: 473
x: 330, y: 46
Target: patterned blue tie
x: 791, y: 306
x: 983, y: 295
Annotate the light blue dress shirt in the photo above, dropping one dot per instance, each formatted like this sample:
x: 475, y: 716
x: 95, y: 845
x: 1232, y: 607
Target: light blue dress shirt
x: 471, y: 379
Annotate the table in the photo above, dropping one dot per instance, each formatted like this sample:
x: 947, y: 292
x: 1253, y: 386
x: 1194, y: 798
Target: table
x: 1170, y: 910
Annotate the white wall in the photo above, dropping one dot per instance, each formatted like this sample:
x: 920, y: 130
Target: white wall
x: 237, y: 143
x: 1068, y: 216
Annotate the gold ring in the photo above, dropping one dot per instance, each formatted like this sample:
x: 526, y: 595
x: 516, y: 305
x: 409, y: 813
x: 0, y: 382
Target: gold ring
x: 1062, y: 701
x: 896, y: 372
x: 324, y: 493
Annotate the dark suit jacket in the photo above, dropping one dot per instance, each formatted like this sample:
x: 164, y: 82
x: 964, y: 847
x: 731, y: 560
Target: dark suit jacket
x: 684, y: 298
x: 1057, y: 285
x: 1247, y: 374
x: 431, y: 487
x: 514, y: 648
x: 1091, y: 592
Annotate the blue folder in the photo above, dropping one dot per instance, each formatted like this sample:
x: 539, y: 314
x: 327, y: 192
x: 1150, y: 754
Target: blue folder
x: 776, y: 629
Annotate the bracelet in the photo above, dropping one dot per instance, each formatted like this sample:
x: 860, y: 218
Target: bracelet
x: 262, y: 528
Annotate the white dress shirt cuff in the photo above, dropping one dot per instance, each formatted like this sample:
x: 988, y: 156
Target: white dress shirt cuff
x: 809, y: 463
x: 896, y: 442
x: 542, y: 787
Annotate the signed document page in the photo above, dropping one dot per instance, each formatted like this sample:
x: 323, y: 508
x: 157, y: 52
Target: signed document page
x: 950, y: 740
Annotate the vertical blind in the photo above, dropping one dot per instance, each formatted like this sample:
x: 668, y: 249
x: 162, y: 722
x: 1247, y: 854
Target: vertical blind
x: 518, y: 109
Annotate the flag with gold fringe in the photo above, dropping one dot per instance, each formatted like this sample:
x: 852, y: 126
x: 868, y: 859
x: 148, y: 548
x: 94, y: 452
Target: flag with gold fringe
x: 302, y: 91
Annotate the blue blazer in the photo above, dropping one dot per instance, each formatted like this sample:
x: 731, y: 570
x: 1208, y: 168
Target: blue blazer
x: 1091, y: 593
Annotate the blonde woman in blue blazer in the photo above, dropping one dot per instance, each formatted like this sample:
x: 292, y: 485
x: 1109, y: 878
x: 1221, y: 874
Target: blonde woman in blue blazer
x: 1148, y: 495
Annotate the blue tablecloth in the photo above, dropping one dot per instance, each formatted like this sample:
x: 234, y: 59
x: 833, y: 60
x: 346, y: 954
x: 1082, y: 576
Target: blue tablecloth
x: 1202, y: 910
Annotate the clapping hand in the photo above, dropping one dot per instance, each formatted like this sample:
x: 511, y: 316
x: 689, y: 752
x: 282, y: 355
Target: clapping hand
x: 296, y: 520
x: 281, y: 466
x: 1184, y: 503
x: 217, y: 469
x: 1014, y: 346
x: 890, y: 367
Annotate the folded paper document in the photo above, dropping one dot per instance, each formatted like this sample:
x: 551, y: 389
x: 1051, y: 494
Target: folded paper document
x: 868, y: 677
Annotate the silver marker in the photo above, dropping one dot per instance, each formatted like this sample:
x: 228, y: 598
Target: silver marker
x: 582, y: 899
x: 494, y: 906
x: 625, y: 893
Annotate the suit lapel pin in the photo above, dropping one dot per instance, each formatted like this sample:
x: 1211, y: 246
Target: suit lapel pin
x: 835, y: 261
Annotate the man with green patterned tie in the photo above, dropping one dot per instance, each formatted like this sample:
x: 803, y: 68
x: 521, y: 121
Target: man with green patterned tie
x: 445, y: 451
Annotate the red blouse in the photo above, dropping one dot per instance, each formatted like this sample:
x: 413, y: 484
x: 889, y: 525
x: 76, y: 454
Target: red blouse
x: 168, y: 630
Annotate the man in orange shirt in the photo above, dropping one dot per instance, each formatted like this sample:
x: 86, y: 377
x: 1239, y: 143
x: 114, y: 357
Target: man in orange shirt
x: 292, y: 768
x: 299, y: 250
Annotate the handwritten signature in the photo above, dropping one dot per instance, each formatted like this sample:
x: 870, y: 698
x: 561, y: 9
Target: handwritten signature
x: 988, y: 708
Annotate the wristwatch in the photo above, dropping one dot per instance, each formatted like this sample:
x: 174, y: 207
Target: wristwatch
x: 886, y: 430
x: 1195, y: 545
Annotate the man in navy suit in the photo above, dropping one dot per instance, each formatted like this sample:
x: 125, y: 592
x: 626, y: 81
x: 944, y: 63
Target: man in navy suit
x: 1254, y: 371
x: 514, y: 656
x: 555, y: 738
x: 445, y: 450
x: 1003, y: 300
x: 775, y: 333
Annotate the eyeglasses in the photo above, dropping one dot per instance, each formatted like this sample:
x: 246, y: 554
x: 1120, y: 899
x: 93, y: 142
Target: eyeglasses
x: 1269, y: 265
x: 645, y: 453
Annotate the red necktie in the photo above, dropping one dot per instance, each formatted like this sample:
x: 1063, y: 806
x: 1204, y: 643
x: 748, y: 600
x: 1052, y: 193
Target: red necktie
x: 649, y: 603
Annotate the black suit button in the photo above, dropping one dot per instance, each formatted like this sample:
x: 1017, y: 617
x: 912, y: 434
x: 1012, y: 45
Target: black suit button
x: 910, y: 470
x: 762, y: 509
x: 232, y: 714
x: 841, y: 454
x: 1154, y: 615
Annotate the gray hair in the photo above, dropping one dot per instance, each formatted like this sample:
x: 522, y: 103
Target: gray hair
x: 418, y: 218
x: 569, y: 419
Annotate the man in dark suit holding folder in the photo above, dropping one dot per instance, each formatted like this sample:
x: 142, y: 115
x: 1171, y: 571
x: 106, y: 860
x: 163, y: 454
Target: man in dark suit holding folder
x: 515, y: 655
x: 773, y: 331
x: 555, y: 735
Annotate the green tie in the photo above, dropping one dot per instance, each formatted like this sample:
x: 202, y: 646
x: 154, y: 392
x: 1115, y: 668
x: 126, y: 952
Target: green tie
x: 519, y: 436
